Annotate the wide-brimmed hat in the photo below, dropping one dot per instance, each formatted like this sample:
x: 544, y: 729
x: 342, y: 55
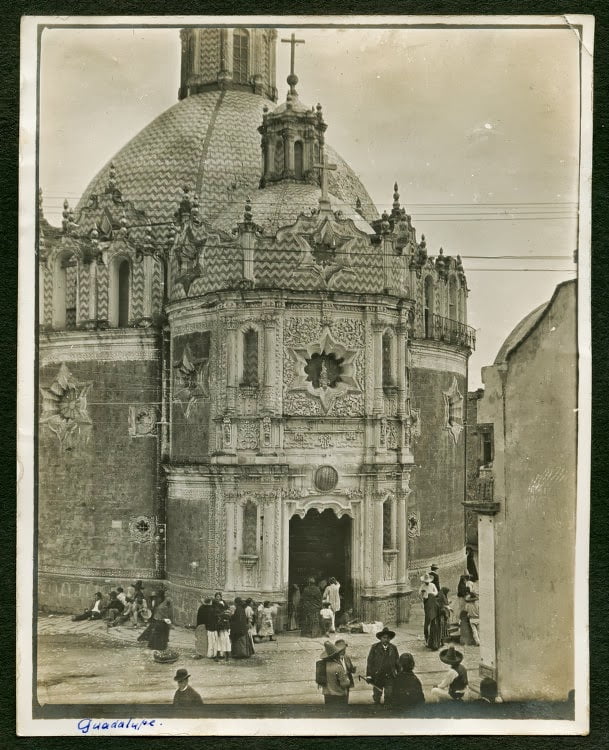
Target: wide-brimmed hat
x: 181, y: 674
x: 451, y: 656
x: 434, y: 567
x: 329, y: 651
x: 385, y: 631
x: 471, y: 597
x: 340, y: 641
x: 427, y: 578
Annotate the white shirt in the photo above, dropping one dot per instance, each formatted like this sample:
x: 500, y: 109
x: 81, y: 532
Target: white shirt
x: 428, y: 588
x: 448, y: 678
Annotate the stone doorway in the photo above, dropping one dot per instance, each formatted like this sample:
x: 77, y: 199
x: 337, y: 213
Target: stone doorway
x: 320, y: 547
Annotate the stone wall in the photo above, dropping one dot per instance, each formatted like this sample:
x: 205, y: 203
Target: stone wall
x: 98, y: 470
x: 439, y: 475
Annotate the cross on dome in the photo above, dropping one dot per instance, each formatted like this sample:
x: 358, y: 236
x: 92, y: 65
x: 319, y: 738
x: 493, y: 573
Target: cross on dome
x: 323, y: 167
x: 292, y: 78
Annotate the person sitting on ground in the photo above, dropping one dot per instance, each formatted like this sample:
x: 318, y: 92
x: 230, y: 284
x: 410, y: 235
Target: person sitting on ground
x: 94, y: 612
x: 488, y: 691
x: 327, y: 618
x: 265, y: 622
x: 407, y: 688
x: 454, y: 684
x: 120, y: 595
x: 124, y: 615
x: 185, y: 696
x: 115, y: 607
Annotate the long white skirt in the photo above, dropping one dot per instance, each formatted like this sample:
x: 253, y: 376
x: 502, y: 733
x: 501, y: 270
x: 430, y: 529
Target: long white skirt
x: 212, y: 644
x: 223, y: 642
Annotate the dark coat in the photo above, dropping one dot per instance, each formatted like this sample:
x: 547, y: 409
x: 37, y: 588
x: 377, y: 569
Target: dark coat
x: 188, y: 697
x: 382, y: 663
x: 407, y: 690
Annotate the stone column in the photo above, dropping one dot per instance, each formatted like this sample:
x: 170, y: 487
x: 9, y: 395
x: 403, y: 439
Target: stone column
x: 377, y: 333
x: 231, y: 365
x: 269, y: 362
x: 377, y: 546
x: 269, y: 166
x: 232, y: 551
x: 402, y: 538
x: 401, y: 332
x: 268, y: 545
x: 288, y: 154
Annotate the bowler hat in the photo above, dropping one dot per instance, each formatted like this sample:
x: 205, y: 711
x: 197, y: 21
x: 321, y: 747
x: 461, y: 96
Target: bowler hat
x: 181, y: 674
x: 329, y: 651
x: 385, y: 631
x: 451, y: 656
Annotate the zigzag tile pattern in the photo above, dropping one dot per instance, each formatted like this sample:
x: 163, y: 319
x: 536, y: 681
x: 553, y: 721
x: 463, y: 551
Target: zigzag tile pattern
x: 168, y: 154
x: 83, y: 291
x: 209, y: 55
x: 47, y: 295
x: 102, y: 292
x: 138, y: 288
x: 157, y: 287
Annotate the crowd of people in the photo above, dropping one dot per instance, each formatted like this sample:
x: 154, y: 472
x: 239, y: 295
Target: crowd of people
x: 442, y: 621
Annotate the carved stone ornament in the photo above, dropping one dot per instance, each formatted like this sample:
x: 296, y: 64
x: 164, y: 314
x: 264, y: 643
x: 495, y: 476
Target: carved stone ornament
x: 142, y: 421
x: 453, y: 411
x: 192, y: 380
x: 414, y: 524
x: 227, y: 432
x: 326, y: 247
x: 64, y: 409
x: 142, y: 529
x: 266, y: 432
x: 325, y: 369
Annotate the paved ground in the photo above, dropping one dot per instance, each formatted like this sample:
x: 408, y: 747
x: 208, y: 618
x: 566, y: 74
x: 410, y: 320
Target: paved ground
x: 83, y: 662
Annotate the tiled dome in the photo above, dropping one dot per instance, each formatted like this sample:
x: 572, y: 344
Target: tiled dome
x: 209, y: 143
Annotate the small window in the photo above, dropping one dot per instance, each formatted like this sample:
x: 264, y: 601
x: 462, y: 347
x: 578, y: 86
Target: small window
x: 388, y: 379
x: 387, y: 536
x: 298, y: 161
x: 428, y: 307
x: 240, y: 56
x: 453, y: 311
x: 250, y: 358
x: 250, y: 528
x: 279, y: 158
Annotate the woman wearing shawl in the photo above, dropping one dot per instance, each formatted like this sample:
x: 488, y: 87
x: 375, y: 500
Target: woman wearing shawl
x: 222, y: 643
x: 204, y: 621
x: 294, y: 606
x: 242, y: 646
x: 310, y: 604
x: 445, y: 612
x: 432, y: 615
x: 161, y: 622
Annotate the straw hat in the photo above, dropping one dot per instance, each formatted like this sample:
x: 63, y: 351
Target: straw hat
x: 451, y: 656
x: 329, y: 651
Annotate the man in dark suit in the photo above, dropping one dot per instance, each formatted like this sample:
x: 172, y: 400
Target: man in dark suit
x: 382, y: 666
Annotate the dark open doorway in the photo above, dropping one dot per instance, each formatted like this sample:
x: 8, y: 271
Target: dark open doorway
x: 320, y: 547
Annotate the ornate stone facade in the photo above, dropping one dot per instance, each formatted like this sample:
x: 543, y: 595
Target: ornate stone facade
x: 287, y: 354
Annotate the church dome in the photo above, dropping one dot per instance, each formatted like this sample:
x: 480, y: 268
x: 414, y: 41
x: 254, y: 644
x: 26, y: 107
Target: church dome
x: 520, y: 331
x: 209, y: 143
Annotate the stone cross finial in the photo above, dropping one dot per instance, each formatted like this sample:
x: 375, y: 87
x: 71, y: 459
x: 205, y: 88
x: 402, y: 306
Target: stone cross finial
x: 324, y: 177
x: 292, y: 78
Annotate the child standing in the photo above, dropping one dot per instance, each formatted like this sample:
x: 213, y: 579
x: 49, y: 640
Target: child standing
x: 327, y: 618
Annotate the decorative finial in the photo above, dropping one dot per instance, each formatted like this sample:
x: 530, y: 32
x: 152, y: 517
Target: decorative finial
x: 423, y: 243
x: 292, y: 78
x: 358, y: 206
x: 395, y: 211
x: 385, y: 225
x: 65, y: 222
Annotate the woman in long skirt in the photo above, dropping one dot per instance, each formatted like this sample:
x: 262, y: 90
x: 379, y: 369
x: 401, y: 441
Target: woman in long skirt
x: 265, y: 622
x: 221, y: 642
x: 432, y: 611
x: 310, y: 605
x: 162, y: 618
x: 203, y: 622
x: 294, y: 606
x: 445, y: 613
x: 242, y: 646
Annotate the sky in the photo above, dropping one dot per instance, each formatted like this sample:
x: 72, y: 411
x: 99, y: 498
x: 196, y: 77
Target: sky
x: 479, y: 127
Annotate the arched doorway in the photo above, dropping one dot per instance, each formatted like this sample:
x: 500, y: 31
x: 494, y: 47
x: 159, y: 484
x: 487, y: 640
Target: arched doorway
x: 320, y: 547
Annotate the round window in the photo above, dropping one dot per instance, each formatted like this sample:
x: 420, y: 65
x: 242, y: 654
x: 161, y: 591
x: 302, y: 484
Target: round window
x: 326, y: 478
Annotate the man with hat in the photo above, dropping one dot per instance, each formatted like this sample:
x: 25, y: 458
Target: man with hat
x: 435, y: 576
x: 473, y: 614
x: 345, y: 660
x: 382, y: 666
x: 455, y: 680
x: 185, y: 695
x: 336, y: 689
x: 427, y: 587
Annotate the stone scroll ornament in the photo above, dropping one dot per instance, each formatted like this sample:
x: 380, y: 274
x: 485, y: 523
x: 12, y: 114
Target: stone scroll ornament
x: 192, y: 381
x: 326, y: 369
x: 64, y: 409
x: 414, y: 525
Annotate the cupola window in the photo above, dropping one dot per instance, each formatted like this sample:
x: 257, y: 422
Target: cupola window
x: 240, y: 56
x: 298, y: 161
x: 123, y: 294
x: 250, y: 358
x: 65, y: 282
x: 453, y: 311
x: 428, y: 307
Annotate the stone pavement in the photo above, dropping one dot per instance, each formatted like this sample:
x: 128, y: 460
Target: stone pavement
x: 84, y: 662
